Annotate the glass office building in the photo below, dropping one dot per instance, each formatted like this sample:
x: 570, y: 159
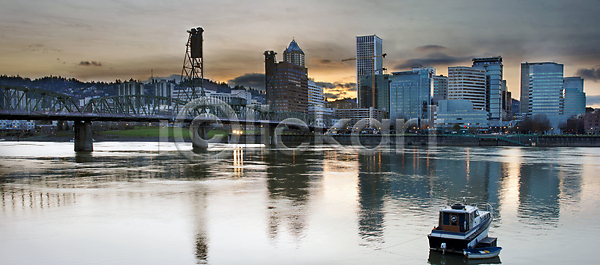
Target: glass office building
x: 574, y: 97
x: 381, y: 92
x: 493, y: 85
x: 545, y: 88
x: 410, y: 93
x: 369, y: 61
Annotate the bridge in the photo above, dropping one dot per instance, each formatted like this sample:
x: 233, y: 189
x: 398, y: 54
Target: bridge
x: 22, y: 103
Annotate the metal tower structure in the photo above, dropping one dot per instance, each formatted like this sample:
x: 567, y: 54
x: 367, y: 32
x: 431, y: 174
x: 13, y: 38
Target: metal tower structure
x: 192, y: 74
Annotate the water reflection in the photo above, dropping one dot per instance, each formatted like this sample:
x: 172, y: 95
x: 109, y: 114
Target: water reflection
x: 372, y: 187
x: 21, y: 199
x: 288, y: 184
x: 437, y: 258
x: 393, y: 197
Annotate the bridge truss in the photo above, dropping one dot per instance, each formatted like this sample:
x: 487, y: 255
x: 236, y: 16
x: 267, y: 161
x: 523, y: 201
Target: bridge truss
x: 35, y: 103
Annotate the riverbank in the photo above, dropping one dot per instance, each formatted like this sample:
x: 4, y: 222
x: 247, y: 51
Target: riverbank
x: 366, y: 140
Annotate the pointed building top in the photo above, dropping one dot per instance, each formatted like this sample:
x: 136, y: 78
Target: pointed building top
x: 294, y: 47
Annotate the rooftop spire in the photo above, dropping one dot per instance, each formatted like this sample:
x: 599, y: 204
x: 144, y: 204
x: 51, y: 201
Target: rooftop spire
x: 294, y: 47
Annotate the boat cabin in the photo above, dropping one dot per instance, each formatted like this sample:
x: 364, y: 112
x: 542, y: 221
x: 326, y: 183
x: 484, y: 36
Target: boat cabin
x: 458, y: 218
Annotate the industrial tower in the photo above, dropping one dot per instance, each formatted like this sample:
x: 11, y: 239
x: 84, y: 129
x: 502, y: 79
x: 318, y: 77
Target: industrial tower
x: 192, y: 74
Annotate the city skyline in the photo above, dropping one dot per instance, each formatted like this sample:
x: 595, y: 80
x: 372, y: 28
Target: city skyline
x: 94, y: 41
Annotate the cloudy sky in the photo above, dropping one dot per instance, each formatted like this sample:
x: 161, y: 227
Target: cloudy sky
x: 108, y: 40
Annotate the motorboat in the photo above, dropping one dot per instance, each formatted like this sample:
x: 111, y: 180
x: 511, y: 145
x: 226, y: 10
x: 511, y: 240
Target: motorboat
x: 461, y: 227
x: 482, y: 253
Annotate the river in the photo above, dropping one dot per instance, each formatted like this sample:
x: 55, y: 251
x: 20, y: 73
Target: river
x: 146, y: 203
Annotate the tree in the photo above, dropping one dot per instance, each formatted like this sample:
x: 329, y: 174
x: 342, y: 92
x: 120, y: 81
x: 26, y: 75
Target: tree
x: 456, y: 127
x: 541, y: 123
x: 538, y: 124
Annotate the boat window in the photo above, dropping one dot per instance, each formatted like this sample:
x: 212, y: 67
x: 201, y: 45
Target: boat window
x: 476, y: 213
x: 462, y: 222
x: 446, y: 219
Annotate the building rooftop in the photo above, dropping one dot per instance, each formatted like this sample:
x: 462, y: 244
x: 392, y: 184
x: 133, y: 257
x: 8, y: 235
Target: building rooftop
x: 294, y: 47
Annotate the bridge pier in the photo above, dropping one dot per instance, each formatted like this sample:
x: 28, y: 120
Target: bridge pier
x: 268, y: 135
x: 83, y: 136
x: 199, y: 136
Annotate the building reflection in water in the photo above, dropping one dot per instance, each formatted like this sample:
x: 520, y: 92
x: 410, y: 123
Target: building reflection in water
x: 531, y: 191
x: 18, y: 199
x: 288, y: 183
x: 202, y: 242
x: 420, y: 178
x: 373, y: 185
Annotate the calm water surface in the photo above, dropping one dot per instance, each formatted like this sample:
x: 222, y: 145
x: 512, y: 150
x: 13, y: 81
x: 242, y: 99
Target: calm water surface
x: 141, y: 203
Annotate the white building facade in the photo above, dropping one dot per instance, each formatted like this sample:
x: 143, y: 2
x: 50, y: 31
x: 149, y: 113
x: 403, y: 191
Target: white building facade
x: 461, y: 112
x: 467, y: 83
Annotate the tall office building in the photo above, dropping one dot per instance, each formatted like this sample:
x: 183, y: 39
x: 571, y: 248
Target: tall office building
x: 574, y: 97
x: 315, y: 94
x: 286, y: 82
x: 493, y: 85
x: 381, y: 93
x: 440, y: 88
x: 506, y: 102
x: 545, y: 88
x: 369, y: 61
x: 524, y: 100
x: 410, y: 93
x: 467, y: 83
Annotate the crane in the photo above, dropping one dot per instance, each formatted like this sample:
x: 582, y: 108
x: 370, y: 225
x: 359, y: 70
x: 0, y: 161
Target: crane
x: 370, y: 57
x: 372, y: 74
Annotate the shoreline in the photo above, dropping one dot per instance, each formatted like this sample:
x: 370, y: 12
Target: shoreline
x: 372, y: 140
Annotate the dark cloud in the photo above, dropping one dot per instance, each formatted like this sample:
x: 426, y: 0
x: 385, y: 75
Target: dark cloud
x: 336, y: 85
x: 331, y: 96
x: 253, y: 80
x: 88, y: 63
x: 589, y: 74
x: 325, y: 61
x: 40, y: 48
x: 434, y: 59
x: 592, y: 100
x: 430, y: 48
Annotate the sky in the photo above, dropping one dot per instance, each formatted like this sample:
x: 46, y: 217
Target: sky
x: 124, y: 39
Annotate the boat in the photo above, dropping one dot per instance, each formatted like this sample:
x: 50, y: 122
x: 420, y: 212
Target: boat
x: 461, y: 227
x: 482, y: 253
x: 437, y: 258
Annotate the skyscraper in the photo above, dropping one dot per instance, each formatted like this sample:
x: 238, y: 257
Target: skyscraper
x: 369, y: 61
x: 410, y: 93
x: 574, y: 97
x: 315, y: 94
x: 493, y: 85
x: 524, y: 100
x: 545, y: 88
x: 286, y: 83
x: 381, y: 93
x: 467, y: 83
x: 440, y: 88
